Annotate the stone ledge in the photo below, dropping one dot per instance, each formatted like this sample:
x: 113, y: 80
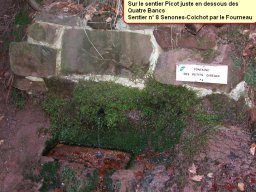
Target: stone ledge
x: 32, y: 60
x: 165, y: 71
x: 100, y: 52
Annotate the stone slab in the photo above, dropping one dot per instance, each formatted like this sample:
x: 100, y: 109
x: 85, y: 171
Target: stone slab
x: 171, y: 37
x: 25, y: 84
x: 60, y: 20
x: 124, y: 54
x: 44, y: 32
x: 165, y: 71
x: 32, y: 60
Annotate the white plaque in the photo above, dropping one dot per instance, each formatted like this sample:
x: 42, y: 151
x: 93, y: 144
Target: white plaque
x: 202, y: 73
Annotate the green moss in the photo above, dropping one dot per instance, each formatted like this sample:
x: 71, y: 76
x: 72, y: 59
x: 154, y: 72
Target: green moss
x: 227, y: 111
x: 208, y: 55
x: 18, y: 98
x: 49, y: 173
x: 99, y: 114
x: 22, y: 18
x: 250, y: 75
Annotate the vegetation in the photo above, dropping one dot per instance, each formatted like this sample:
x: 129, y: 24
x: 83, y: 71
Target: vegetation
x: 22, y: 19
x: 18, y: 98
x: 250, y: 75
x: 54, y: 176
x: 49, y: 173
x: 226, y: 110
x: 108, y: 115
x: 16, y: 31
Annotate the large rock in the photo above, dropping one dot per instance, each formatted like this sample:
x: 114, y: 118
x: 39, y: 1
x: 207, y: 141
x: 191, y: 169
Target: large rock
x: 173, y: 37
x: 60, y: 20
x: 165, y: 71
x: 105, y: 52
x: 32, y: 60
x: 30, y: 85
x: 44, y: 32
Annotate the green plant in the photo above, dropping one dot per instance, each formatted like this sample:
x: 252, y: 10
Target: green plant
x: 108, y: 181
x: 49, y: 173
x: 99, y: 114
x: 92, y: 183
x: 250, y: 75
x: 18, y: 98
x: 22, y: 19
x: 208, y: 54
x: 227, y: 111
x: 67, y: 174
x: 68, y: 177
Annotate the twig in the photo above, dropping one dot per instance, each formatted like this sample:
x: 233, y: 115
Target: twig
x: 9, y: 86
x: 92, y: 44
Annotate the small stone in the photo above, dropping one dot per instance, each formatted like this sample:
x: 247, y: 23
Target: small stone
x: 32, y: 85
x: 192, y: 169
x: 210, y: 175
x: 241, y: 186
x: 45, y: 159
x: 253, y: 149
x: 197, y: 178
x: 1, y: 142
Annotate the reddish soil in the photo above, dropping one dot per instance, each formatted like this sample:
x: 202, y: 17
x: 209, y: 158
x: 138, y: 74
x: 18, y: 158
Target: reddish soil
x: 228, y: 159
x: 20, y: 144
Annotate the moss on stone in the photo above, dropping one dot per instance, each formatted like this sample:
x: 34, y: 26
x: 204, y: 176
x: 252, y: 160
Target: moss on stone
x: 108, y: 115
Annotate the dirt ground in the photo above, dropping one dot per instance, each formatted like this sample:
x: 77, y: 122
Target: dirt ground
x: 20, y: 144
x: 225, y: 163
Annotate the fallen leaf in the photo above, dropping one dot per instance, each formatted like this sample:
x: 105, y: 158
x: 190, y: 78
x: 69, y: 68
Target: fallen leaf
x: 1, y: 118
x: 1, y: 142
x: 197, y: 178
x: 210, y: 175
x: 253, y: 149
x: 241, y: 186
x: 192, y: 169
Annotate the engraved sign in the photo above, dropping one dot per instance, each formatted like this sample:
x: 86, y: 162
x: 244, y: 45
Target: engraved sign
x: 202, y: 73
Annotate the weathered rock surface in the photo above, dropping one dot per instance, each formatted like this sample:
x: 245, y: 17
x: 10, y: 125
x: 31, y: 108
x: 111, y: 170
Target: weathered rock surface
x: 32, y: 60
x: 105, y: 52
x: 25, y: 84
x: 60, y: 20
x: 170, y: 38
x: 165, y: 71
x: 44, y: 32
